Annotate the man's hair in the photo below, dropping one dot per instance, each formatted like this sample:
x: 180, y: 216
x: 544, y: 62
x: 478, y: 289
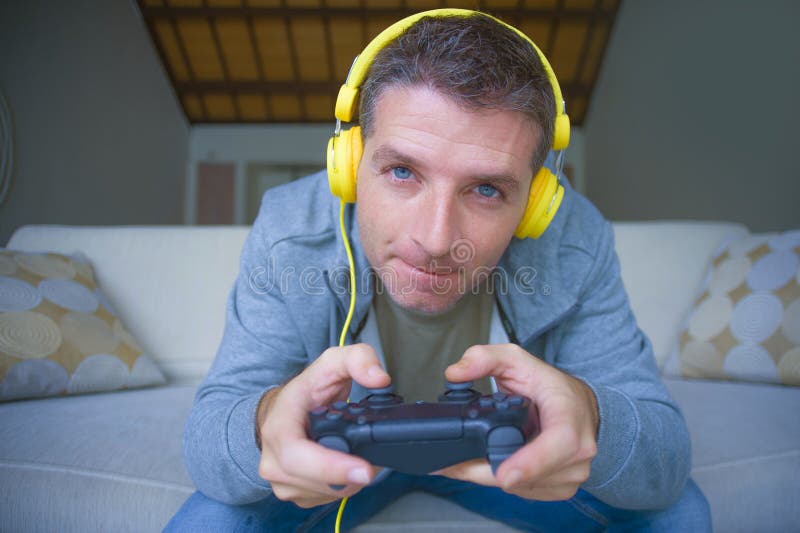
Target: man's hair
x: 476, y: 62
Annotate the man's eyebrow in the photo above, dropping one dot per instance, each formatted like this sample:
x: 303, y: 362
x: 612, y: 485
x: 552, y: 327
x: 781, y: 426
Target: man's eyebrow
x: 386, y: 154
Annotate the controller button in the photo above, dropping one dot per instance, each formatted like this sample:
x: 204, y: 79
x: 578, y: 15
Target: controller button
x: 486, y: 402
x: 339, y: 406
x: 333, y: 415
x: 466, y: 385
x: 473, y: 413
x: 516, y: 400
x: 501, y: 406
x: 318, y: 411
x: 361, y: 419
x: 499, y: 396
x: 356, y: 409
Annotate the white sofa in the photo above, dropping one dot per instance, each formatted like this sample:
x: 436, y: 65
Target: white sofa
x: 113, y: 461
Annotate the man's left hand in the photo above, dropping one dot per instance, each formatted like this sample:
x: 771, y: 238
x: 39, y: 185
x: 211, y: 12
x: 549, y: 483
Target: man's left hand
x: 554, y: 464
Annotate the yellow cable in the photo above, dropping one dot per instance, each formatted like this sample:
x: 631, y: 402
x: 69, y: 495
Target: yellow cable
x: 352, y: 275
x: 351, y: 262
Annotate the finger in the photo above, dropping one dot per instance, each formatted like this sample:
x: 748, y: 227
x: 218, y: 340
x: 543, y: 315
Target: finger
x: 541, y: 457
x: 337, y: 366
x: 327, y: 379
x: 292, y: 487
x: 318, y: 466
x: 507, y: 362
x: 566, y: 479
x: 475, y: 471
x: 549, y: 493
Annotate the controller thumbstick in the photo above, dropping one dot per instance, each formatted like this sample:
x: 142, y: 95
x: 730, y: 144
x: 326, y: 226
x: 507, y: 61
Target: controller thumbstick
x: 464, y: 385
x: 382, y: 390
x: 383, y: 397
x: 459, y: 392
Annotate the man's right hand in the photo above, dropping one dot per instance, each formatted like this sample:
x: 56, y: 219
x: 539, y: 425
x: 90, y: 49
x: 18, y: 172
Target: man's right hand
x: 299, y: 469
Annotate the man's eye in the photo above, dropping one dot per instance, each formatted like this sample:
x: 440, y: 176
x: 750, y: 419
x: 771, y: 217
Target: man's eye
x: 401, y: 173
x: 488, y: 191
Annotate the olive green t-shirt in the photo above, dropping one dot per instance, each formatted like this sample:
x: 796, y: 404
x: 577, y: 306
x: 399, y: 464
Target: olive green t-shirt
x: 418, y: 347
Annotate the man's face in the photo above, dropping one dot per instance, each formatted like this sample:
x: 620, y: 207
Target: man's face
x: 440, y: 191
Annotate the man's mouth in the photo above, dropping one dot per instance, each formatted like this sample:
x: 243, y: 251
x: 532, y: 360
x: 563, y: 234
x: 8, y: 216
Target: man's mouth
x: 432, y: 269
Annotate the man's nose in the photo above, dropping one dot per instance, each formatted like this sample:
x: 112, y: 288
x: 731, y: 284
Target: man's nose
x: 437, y: 226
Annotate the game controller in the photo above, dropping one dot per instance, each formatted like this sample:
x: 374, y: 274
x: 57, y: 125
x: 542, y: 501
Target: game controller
x: 423, y: 437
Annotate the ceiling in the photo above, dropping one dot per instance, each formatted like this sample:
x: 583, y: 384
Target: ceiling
x: 268, y: 61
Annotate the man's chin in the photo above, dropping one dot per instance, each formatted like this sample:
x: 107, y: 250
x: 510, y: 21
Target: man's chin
x: 429, y: 304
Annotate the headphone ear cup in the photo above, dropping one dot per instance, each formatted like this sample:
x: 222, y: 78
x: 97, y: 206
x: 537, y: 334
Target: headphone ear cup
x: 543, y: 202
x: 344, y: 155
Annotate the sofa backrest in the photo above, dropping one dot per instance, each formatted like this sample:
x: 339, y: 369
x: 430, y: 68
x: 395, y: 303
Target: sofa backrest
x: 663, y: 265
x: 170, y: 284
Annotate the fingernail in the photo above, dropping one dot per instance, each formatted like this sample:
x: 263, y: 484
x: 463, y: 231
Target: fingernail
x: 513, y: 478
x: 359, y: 476
x: 376, y: 370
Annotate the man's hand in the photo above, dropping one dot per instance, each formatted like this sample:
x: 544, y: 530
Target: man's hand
x: 553, y: 465
x: 299, y: 469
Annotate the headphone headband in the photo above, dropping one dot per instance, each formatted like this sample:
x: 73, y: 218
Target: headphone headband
x: 345, y: 147
x: 347, y: 100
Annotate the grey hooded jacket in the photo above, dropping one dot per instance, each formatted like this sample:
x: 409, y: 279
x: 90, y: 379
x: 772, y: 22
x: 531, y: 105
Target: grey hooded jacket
x: 563, y: 301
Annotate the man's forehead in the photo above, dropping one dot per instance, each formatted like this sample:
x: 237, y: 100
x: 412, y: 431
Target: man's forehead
x: 417, y: 103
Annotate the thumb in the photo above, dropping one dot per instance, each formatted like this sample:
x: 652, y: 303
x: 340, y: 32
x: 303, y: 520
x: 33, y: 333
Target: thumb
x: 474, y: 364
x: 338, y: 365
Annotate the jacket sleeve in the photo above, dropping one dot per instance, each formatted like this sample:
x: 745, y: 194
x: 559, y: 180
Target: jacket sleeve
x: 260, y: 349
x: 643, y: 448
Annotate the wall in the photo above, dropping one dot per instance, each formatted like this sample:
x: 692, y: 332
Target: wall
x: 300, y: 145
x: 695, y: 114
x: 243, y: 146
x: 99, y: 135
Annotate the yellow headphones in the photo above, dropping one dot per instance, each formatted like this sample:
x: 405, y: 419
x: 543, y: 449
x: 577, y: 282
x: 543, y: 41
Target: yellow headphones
x: 346, y: 146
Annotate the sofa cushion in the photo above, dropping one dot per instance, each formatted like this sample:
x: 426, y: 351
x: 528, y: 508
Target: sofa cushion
x: 662, y: 264
x: 164, y: 280
x: 110, y: 462
x: 59, y: 334
x: 745, y: 451
x: 745, y: 325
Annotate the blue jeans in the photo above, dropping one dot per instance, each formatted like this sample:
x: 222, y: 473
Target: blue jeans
x: 583, y: 512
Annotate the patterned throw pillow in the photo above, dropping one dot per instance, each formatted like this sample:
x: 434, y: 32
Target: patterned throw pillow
x: 746, y: 323
x: 59, y: 334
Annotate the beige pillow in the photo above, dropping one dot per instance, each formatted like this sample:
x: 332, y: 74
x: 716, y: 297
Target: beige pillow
x: 746, y: 323
x: 59, y: 334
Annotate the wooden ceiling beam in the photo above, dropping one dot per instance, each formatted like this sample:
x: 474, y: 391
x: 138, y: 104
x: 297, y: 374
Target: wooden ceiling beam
x: 513, y: 13
x: 313, y: 87
x: 281, y: 87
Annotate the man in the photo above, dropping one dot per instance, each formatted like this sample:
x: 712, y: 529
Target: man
x: 457, y: 115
